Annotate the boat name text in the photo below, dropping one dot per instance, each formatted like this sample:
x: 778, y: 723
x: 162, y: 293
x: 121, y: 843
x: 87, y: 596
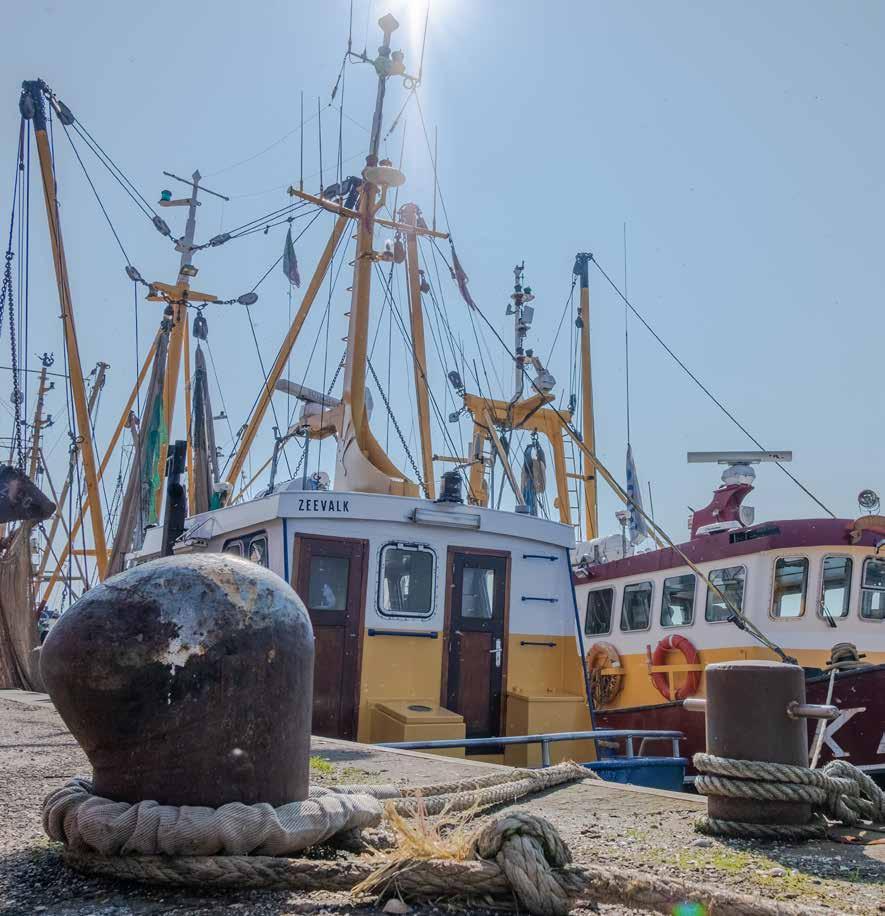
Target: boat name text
x: 323, y: 505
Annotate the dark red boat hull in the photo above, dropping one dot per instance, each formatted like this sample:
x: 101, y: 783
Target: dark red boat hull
x: 860, y: 736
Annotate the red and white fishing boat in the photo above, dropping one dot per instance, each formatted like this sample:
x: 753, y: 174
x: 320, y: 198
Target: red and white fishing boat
x: 808, y: 589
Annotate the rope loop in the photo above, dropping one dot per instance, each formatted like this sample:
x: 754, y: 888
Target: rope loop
x: 839, y: 791
x: 528, y: 848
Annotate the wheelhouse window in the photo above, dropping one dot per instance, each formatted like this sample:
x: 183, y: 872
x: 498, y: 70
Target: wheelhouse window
x: 835, y: 589
x: 598, y: 619
x: 788, y: 592
x: 636, y: 606
x: 258, y: 550
x: 730, y: 581
x: 251, y: 546
x: 872, y: 592
x: 677, y: 601
x: 406, y: 580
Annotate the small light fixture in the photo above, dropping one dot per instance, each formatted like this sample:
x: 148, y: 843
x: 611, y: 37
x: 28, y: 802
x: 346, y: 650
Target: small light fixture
x: 188, y: 270
x: 248, y: 299
x: 447, y: 518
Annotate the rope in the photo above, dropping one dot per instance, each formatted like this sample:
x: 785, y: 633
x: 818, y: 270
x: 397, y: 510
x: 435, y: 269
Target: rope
x: 517, y: 856
x: 84, y: 821
x: 839, y: 791
x: 629, y: 305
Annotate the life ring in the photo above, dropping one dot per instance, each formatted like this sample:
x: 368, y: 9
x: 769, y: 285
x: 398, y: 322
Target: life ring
x: 676, y: 643
x: 605, y: 687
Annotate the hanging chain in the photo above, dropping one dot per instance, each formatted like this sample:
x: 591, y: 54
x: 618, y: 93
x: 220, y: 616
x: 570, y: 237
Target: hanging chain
x: 7, y: 301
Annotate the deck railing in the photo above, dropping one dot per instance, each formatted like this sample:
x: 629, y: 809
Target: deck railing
x: 545, y: 740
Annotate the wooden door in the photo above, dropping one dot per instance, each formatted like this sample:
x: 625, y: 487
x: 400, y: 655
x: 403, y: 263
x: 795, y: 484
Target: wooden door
x: 330, y: 579
x: 477, y: 643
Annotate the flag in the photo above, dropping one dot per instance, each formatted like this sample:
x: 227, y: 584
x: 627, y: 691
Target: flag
x: 290, y: 262
x: 637, y: 526
x: 460, y: 277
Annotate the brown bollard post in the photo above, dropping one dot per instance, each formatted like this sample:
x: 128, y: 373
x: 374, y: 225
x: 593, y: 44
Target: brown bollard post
x: 748, y: 718
x: 188, y: 681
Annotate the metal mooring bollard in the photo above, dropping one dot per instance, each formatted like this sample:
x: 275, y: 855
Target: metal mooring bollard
x: 188, y: 681
x: 756, y: 710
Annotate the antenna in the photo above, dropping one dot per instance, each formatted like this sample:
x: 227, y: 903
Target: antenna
x: 751, y: 457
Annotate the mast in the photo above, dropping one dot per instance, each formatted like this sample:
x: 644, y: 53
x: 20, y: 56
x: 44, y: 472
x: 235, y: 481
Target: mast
x: 409, y: 215
x: 46, y: 361
x: 371, y: 469
x: 32, y: 104
x: 587, y: 421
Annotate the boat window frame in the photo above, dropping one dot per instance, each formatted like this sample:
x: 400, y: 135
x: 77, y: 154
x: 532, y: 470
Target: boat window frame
x: 245, y: 540
x: 805, y: 580
x: 861, y: 590
x: 406, y: 615
x: 820, y: 591
x: 651, y: 606
x: 694, y: 601
x: 602, y: 588
x: 707, y: 591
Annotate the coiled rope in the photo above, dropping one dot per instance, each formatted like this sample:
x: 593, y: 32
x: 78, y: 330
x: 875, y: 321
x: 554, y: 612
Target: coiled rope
x: 838, y: 791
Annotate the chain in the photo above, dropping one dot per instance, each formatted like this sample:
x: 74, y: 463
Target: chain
x: 399, y: 432
x: 7, y: 301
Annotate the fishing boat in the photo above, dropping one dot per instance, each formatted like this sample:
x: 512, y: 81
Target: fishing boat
x: 806, y: 590
x: 438, y: 613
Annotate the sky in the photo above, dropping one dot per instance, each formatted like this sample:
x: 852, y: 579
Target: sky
x: 740, y: 144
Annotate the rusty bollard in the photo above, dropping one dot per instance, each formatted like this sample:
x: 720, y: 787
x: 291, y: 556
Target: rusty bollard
x: 189, y: 681
x: 756, y: 710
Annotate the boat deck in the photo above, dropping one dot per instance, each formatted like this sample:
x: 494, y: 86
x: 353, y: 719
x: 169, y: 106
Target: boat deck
x: 634, y: 827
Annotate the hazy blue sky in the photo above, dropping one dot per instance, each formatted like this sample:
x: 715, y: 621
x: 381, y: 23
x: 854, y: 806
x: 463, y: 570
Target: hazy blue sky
x: 741, y: 143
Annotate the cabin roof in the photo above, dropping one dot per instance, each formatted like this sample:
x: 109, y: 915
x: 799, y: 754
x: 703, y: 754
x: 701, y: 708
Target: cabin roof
x: 787, y: 534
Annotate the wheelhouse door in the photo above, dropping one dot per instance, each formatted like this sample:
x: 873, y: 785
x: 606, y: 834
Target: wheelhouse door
x: 330, y: 578
x: 476, y: 643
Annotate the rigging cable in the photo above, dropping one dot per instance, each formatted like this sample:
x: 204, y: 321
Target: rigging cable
x: 737, y: 616
x: 703, y: 387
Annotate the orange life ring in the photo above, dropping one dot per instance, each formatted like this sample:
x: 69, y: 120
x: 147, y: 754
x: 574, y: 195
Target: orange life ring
x: 676, y: 643
x: 605, y: 687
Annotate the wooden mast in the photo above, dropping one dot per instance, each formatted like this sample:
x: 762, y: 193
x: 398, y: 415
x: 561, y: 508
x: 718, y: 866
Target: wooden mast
x: 588, y: 430
x: 409, y: 215
x: 34, y: 91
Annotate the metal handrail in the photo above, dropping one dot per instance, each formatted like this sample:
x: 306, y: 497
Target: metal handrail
x: 545, y: 740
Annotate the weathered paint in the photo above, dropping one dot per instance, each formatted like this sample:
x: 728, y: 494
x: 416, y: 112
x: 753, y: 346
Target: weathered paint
x: 188, y: 681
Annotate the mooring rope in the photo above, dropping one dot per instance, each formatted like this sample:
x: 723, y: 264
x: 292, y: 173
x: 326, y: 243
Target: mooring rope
x: 839, y: 791
x: 517, y: 857
x: 84, y: 821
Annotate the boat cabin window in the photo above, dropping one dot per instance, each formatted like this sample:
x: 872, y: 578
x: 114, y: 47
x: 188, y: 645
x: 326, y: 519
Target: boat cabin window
x: 327, y: 589
x: 405, y: 585
x: 251, y: 546
x: 835, y: 589
x: 872, y: 592
x: 730, y: 581
x: 599, y: 611
x: 636, y: 606
x: 788, y: 593
x: 677, y: 601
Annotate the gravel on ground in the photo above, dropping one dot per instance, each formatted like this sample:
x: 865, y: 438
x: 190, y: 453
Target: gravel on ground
x: 643, y: 829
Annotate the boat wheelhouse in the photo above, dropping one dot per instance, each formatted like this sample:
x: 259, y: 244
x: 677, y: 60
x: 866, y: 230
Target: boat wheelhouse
x: 432, y: 620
